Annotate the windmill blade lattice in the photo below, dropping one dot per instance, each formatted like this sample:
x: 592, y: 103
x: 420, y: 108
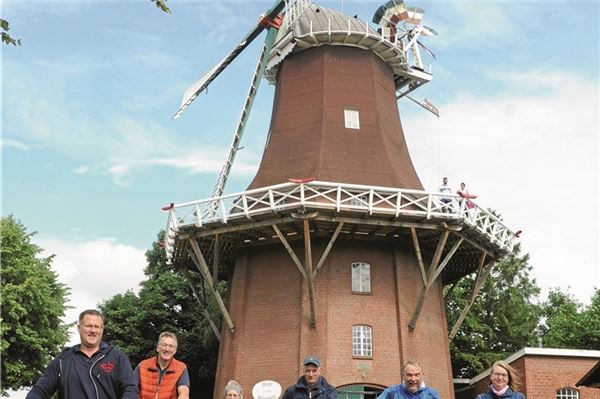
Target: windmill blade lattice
x: 201, y: 84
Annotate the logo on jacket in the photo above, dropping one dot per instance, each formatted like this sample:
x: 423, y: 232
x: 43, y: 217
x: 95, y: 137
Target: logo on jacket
x: 107, y: 367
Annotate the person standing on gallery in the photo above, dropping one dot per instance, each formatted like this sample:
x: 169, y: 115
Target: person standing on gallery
x: 446, y: 197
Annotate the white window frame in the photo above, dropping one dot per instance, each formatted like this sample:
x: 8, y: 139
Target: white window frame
x: 351, y: 119
x: 567, y: 393
x: 362, y: 340
x: 361, y: 277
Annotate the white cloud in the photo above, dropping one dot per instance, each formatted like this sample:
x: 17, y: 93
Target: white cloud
x: 95, y: 270
x: 116, y: 145
x: 81, y: 170
x: 8, y: 143
x: 475, y: 23
x: 530, y: 152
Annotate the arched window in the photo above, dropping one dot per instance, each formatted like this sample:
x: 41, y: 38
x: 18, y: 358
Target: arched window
x: 361, y: 277
x: 362, y: 341
x: 567, y: 393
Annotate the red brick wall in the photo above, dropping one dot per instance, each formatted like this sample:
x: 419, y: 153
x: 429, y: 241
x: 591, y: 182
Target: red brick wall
x: 542, y: 376
x: 270, y: 308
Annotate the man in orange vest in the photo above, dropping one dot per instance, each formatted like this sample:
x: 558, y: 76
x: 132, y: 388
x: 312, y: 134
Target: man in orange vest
x: 162, y: 376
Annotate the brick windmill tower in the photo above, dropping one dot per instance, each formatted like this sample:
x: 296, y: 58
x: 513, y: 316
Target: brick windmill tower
x: 334, y: 249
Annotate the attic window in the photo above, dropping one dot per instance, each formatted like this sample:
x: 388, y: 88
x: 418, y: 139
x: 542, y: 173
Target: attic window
x: 351, y: 119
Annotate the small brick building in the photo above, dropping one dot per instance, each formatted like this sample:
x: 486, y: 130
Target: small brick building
x: 547, y: 373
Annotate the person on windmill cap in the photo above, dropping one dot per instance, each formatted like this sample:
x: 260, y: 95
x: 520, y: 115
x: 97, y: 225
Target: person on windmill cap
x: 312, y: 385
x: 162, y: 376
x: 412, y: 387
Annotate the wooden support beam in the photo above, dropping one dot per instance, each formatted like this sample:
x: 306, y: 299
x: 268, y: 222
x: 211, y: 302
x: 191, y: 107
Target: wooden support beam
x: 336, y: 233
x: 309, y: 274
x: 241, y: 227
x: 447, y: 258
x: 202, y: 267
x: 439, y: 250
x: 415, y: 238
x: 434, y: 263
x: 287, y: 246
x: 203, y: 307
x: 482, y: 273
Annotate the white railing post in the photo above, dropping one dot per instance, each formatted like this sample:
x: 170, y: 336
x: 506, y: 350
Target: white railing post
x: 223, y: 210
x: 429, y: 200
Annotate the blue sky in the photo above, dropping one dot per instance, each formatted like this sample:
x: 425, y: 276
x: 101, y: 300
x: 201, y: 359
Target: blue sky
x: 90, y: 153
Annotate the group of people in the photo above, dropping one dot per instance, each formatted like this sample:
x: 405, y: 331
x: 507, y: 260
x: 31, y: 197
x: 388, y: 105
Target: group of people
x: 94, y: 369
x: 448, y: 201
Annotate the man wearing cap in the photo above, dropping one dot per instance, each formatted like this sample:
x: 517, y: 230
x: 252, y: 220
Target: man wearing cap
x: 412, y: 387
x: 311, y: 385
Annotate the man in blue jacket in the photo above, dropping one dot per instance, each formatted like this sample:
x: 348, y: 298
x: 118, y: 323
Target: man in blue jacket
x: 90, y: 370
x: 311, y: 385
x: 413, y: 386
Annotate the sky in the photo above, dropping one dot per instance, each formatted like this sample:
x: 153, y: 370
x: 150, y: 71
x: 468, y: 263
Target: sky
x: 90, y: 153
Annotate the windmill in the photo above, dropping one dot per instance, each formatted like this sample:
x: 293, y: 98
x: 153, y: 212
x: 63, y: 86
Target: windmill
x: 271, y: 21
x: 334, y: 249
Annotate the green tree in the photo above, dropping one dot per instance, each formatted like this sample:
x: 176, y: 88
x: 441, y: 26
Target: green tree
x: 502, y: 320
x: 570, y: 324
x: 6, y: 38
x: 32, y: 303
x: 165, y: 303
x: 162, y: 4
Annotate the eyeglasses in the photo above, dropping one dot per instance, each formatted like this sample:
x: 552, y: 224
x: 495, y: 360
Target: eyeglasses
x: 497, y: 375
x: 90, y: 327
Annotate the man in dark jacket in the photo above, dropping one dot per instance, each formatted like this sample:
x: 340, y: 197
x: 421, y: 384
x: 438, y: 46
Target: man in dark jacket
x: 90, y: 370
x: 311, y: 385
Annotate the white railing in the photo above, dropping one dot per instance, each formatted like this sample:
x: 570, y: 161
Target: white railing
x: 336, y: 197
x: 293, y: 10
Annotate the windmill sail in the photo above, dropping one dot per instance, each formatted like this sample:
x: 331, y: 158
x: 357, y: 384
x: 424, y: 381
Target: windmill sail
x: 201, y: 84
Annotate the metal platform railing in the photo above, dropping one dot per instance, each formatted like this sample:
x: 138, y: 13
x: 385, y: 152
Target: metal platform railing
x: 372, y: 201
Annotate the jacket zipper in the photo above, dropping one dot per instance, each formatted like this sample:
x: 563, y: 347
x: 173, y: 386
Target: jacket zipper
x: 92, y: 377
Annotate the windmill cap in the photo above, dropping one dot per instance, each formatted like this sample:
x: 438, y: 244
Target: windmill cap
x: 312, y: 360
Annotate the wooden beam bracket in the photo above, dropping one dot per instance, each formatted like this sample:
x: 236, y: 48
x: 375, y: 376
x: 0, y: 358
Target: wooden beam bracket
x: 482, y: 272
x: 203, y: 306
x: 200, y: 262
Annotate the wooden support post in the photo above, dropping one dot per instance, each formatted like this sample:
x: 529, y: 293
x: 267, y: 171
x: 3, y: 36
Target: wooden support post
x: 202, y: 267
x: 309, y: 273
x: 413, y: 233
x: 432, y: 267
x: 337, y: 231
x: 482, y: 273
x: 447, y: 258
x: 287, y: 246
x: 203, y: 307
